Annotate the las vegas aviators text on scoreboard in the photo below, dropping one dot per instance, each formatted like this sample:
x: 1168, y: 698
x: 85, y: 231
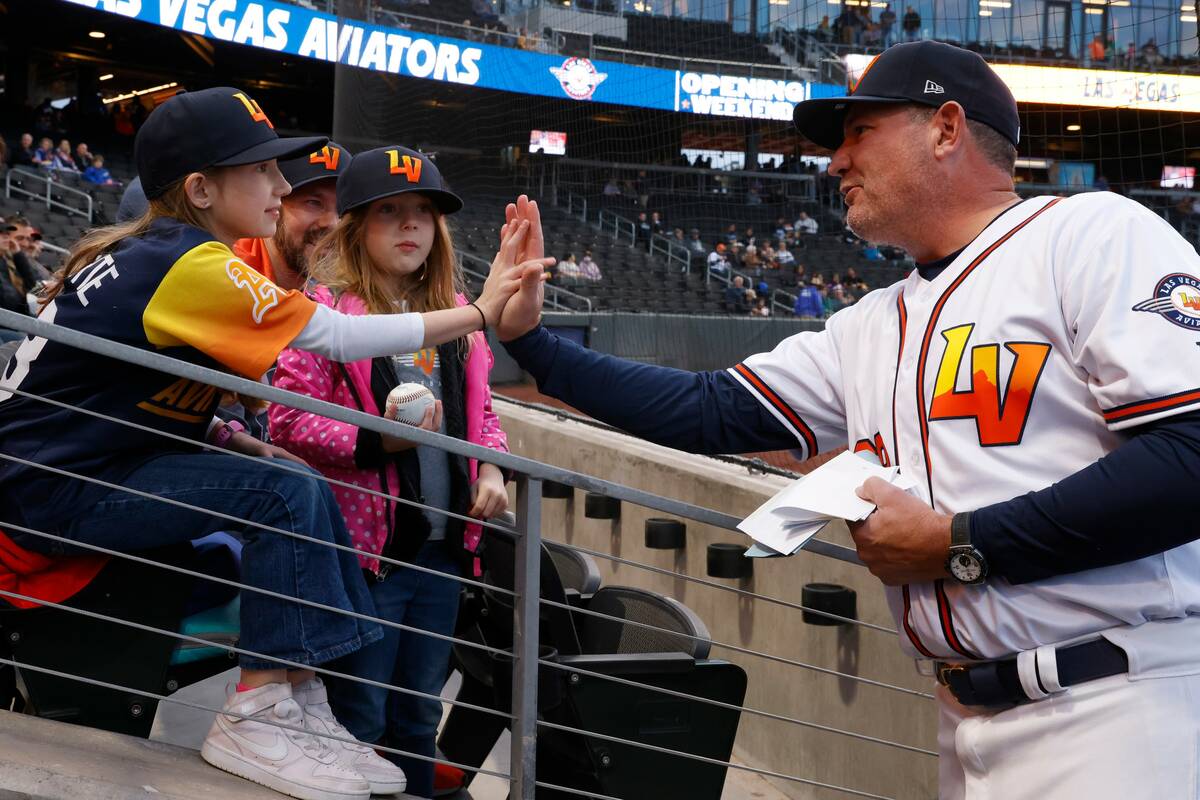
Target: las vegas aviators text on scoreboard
x: 311, y: 34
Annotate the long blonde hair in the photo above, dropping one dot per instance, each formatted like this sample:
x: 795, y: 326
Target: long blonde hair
x: 342, y: 263
x: 172, y: 203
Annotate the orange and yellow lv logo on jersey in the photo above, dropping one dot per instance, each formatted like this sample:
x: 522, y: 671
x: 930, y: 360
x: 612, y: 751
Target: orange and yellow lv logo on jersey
x: 329, y: 156
x: 256, y: 113
x: 407, y: 166
x: 1000, y: 420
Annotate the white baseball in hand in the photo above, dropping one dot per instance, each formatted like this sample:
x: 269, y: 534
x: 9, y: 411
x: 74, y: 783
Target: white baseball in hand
x: 408, y: 402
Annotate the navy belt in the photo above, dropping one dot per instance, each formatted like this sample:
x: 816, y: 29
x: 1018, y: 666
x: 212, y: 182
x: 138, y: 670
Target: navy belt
x: 998, y: 683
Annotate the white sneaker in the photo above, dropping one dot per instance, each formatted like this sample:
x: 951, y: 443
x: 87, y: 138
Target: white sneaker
x: 291, y: 762
x: 384, y: 776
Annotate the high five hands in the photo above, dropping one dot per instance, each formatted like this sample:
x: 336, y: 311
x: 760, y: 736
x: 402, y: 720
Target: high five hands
x: 523, y: 310
x: 516, y: 264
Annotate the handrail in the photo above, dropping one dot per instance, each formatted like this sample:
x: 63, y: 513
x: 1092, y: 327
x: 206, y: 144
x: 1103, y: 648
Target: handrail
x: 672, y: 250
x: 535, y: 469
x: 620, y: 225
x: 553, y: 292
x: 9, y: 189
x: 789, y: 305
x: 582, y: 202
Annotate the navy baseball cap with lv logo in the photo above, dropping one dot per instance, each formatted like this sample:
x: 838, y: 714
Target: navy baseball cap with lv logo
x: 925, y: 73
x: 387, y: 171
x: 219, y: 127
x: 328, y: 163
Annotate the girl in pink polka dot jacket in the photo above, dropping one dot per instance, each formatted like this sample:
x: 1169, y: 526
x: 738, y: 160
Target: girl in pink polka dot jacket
x: 390, y: 252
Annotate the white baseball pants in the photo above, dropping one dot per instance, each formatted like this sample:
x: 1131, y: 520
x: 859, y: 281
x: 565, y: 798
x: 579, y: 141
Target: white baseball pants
x: 1110, y: 739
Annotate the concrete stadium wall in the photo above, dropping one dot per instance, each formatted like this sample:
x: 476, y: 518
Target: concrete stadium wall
x: 764, y: 627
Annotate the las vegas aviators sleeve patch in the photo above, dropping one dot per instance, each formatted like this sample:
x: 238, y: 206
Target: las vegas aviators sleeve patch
x: 212, y: 301
x: 1134, y: 304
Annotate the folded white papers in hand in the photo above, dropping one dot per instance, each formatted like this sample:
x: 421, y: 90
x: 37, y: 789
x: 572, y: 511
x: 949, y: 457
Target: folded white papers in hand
x: 783, y: 524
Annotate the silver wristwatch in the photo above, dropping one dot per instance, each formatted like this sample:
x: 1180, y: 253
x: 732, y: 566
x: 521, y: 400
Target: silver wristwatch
x: 965, y: 563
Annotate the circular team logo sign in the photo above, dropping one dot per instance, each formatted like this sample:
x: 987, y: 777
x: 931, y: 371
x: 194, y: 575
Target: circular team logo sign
x: 1177, y: 299
x: 578, y: 77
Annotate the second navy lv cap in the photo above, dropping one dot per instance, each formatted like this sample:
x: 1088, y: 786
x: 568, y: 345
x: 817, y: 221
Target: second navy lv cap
x: 329, y: 162
x: 387, y: 171
x: 926, y: 73
x: 218, y: 127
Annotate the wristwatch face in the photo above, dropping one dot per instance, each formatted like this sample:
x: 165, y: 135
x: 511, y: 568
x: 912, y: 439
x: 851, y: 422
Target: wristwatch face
x: 965, y: 568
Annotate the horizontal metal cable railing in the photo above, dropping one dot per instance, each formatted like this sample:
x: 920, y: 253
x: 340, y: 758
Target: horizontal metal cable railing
x: 525, y: 594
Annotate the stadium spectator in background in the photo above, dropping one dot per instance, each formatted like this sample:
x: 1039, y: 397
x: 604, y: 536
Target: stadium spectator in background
x: 805, y: 224
x: 824, y: 29
x: 761, y: 307
x: 390, y: 249
x: 784, y: 257
x: 1097, y: 51
x: 718, y: 262
x: 750, y: 260
x: 678, y: 237
x: 735, y: 300
x: 911, y: 25
x: 83, y: 155
x: 567, y: 269
x: 24, y: 154
x: 63, y: 160
x: 871, y: 252
x: 612, y: 188
x: 44, y: 156
x: 855, y: 284
x: 887, y: 25
x: 643, y: 229
x: 810, y: 303
x: 28, y: 243
x: 656, y: 223
x: 97, y: 173
x: 168, y: 289
x: 695, y: 243
x: 17, y: 277
x: 589, y: 270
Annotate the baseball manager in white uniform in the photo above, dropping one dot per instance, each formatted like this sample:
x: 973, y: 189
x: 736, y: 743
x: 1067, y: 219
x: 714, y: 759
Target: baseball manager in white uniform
x: 1038, y: 374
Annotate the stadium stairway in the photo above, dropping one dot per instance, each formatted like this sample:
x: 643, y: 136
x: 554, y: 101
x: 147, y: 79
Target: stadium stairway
x: 632, y: 280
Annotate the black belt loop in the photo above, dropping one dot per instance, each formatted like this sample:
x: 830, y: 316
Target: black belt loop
x: 998, y: 683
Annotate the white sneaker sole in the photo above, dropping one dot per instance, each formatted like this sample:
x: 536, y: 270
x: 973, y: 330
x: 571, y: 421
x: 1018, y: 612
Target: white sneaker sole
x: 236, y: 765
x: 386, y: 787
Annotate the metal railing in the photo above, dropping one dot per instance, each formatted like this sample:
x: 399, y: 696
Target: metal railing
x: 556, y: 297
x: 52, y: 187
x: 672, y: 251
x: 577, y: 205
x: 617, y: 226
x: 523, y: 720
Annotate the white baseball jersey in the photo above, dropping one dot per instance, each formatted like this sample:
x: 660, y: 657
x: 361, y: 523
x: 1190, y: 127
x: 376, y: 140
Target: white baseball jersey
x: 1065, y: 322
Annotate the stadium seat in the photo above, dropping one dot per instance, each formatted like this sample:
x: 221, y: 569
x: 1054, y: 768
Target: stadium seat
x: 674, y: 658
x: 88, y: 645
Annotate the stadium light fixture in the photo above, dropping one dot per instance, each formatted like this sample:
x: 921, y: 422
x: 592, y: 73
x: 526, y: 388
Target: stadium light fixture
x: 106, y: 77
x: 1093, y: 11
x: 1187, y: 17
x: 139, y: 93
x: 96, y: 34
x: 1074, y: 127
x: 983, y: 12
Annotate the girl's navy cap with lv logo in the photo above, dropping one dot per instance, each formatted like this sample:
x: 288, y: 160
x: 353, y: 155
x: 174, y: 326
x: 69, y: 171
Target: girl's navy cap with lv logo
x: 387, y: 171
x: 219, y: 127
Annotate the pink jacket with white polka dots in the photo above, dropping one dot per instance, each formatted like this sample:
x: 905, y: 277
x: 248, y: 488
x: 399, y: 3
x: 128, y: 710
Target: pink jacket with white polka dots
x: 328, y: 445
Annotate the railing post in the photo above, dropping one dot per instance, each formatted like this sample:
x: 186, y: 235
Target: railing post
x: 523, y: 755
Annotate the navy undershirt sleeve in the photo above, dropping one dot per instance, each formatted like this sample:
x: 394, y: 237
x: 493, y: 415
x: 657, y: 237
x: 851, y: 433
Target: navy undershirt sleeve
x: 1132, y: 503
x: 700, y: 412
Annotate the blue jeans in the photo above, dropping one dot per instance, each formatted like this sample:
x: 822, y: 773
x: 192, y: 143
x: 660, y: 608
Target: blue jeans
x: 255, y: 491
x: 404, y: 659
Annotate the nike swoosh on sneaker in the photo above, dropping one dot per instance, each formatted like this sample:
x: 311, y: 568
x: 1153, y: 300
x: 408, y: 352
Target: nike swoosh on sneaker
x: 277, y: 751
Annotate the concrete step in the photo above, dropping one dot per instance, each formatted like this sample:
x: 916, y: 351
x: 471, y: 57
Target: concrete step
x: 45, y: 760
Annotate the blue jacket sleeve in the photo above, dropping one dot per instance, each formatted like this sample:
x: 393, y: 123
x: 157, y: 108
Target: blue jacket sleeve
x: 1128, y: 505
x: 700, y: 412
